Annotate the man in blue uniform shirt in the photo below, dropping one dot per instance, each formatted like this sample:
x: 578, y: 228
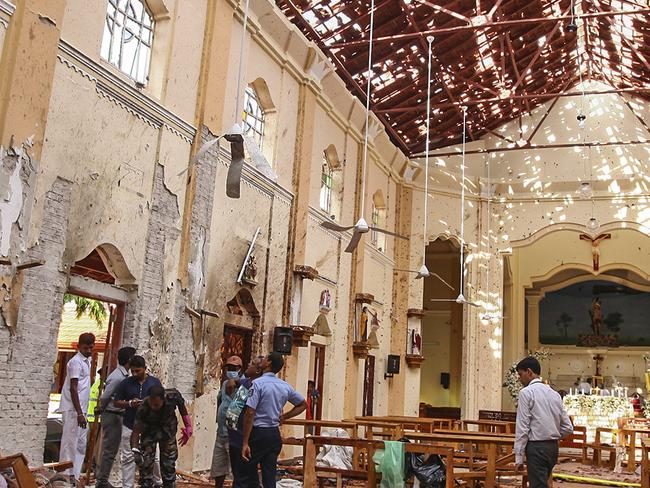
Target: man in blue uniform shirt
x: 262, y: 418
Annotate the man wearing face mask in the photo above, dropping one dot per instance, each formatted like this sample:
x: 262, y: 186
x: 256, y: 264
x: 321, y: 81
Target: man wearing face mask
x: 220, y: 456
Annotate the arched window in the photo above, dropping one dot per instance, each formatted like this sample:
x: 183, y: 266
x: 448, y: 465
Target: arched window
x: 326, y: 187
x: 128, y: 37
x: 253, y: 116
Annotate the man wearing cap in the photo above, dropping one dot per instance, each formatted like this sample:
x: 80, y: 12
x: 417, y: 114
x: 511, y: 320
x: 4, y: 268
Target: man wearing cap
x: 220, y: 456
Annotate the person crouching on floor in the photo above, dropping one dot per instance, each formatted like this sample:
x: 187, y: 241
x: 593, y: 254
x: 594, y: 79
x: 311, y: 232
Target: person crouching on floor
x: 156, y: 425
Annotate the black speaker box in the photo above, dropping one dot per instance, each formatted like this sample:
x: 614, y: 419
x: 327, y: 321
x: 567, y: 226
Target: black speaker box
x: 282, y: 340
x: 392, y: 364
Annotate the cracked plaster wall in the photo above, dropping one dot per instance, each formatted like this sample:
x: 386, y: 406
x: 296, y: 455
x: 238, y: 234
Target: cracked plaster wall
x: 25, y: 377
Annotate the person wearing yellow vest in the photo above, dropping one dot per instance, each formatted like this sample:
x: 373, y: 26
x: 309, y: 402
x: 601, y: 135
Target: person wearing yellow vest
x: 92, y: 401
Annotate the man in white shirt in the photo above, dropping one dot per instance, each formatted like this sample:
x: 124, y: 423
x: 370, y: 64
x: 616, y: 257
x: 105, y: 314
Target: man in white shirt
x: 541, y: 423
x: 75, y: 396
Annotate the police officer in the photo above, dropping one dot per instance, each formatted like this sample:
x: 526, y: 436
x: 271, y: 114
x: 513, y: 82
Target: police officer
x: 155, y: 426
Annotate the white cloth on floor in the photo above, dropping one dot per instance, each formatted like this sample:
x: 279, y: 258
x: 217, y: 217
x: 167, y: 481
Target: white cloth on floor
x: 288, y: 483
x: 335, y: 456
x: 73, y: 443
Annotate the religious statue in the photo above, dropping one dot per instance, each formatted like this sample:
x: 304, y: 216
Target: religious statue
x: 416, y: 343
x: 250, y: 271
x: 596, y: 316
x: 595, y: 247
x: 325, y: 300
x: 363, y: 325
x: 373, y: 340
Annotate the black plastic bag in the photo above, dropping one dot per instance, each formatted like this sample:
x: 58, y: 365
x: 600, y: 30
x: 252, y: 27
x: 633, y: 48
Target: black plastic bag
x: 431, y: 472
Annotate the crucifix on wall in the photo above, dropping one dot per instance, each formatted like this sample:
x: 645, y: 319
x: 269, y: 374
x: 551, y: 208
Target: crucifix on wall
x: 595, y: 247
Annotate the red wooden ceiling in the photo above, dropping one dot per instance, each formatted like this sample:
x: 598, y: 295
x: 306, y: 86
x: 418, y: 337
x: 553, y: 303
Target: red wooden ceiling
x: 512, y: 63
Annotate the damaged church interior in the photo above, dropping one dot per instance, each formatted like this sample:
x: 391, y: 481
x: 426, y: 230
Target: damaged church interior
x: 379, y: 207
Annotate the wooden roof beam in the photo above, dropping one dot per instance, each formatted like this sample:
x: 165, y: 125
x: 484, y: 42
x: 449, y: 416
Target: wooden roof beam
x: 491, y: 25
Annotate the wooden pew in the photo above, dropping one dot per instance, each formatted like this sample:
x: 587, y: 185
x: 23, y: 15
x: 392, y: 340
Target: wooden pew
x: 599, y: 446
x: 491, y: 426
x: 418, y: 424
x: 577, y: 440
x: 481, y: 456
x: 645, y: 463
x: 366, y: 469
x: 632, y: 438
x: 23, y: 474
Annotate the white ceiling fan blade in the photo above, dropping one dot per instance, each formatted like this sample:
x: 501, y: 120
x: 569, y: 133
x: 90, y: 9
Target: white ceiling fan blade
x: 384, y: 231
x: 443, y: 281
x: 354, y: 242
x: 327, y: 224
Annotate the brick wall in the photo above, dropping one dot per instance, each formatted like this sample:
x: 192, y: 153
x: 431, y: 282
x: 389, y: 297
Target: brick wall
x: 26, y: 359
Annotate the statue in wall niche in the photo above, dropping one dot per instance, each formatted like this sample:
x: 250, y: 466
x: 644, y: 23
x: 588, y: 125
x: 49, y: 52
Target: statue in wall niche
x: 596, y: 316
x: 373, y: 340
x: 325, y: 301
x: 363, y: 324
x: 416, y: 343
x: 250, y: 272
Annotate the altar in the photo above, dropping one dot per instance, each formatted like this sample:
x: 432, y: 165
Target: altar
x: 593, y: 411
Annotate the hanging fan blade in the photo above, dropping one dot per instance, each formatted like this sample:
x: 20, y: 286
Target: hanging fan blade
x: 405, y: 271
x: 233, y: 180
x: 461, y: 299
x: 384, y: 231
x: 328, y: 224
x: 354, y: 242
x: 443, y: 281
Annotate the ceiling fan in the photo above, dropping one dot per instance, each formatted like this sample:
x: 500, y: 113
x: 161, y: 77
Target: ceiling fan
x: 461, y: 297
x: 424, y: 272
x: 362, y: 227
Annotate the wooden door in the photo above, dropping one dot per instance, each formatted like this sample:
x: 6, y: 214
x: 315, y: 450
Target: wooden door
x: 236, y: 342
x: 318, y: 378
x: 368, y: 386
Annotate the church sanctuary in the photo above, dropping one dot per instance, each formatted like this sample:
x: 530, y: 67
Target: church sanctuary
x: 340, y: 224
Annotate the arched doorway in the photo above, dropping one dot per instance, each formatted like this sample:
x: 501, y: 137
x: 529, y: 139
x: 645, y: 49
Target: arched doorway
x: 442, y: 332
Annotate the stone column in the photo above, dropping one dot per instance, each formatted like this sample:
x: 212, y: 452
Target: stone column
x: 533, y: 300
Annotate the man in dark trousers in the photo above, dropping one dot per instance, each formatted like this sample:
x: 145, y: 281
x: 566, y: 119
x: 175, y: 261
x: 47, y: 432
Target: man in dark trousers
x: 111, y: 416
x: 155, y: 426
x: 236, y: 429
x: 262, y: 418
x: 541, y: 423
x: 129, y: 396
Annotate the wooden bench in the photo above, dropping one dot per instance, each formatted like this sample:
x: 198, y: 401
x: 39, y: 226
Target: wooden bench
x: 481, y: 455
x: 633, y: 438
x: 419, y: 424
x: 645, y: 463
x: 577, y: 440
x: 491, y: 426
x: 23, y: 474
x: 365, y: 470
x: 599, y: 446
